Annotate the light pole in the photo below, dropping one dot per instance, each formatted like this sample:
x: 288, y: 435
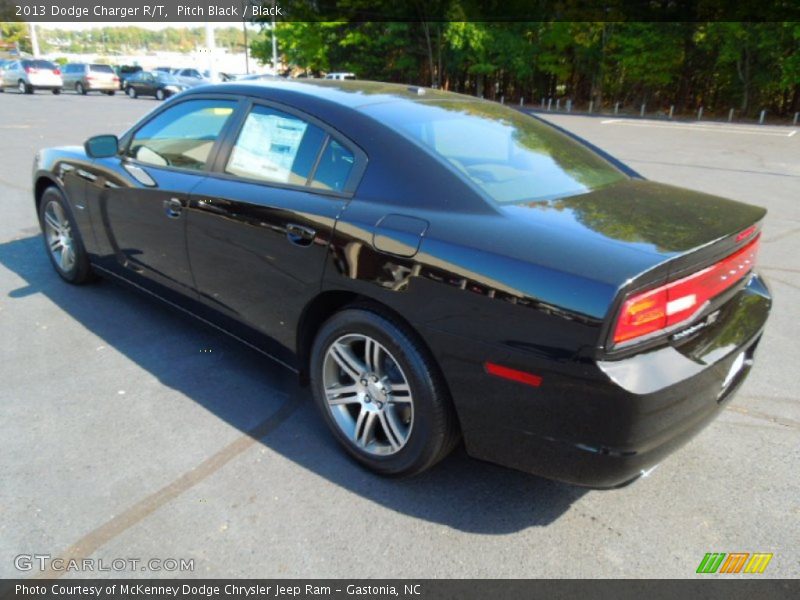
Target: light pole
x: 34, y: 41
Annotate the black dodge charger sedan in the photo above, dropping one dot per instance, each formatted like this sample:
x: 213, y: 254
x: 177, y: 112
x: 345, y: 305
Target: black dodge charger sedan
x: 437, y: 267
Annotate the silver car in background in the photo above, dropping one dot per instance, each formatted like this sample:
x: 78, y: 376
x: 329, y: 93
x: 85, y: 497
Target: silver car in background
x: 86, y: 77
x: 29, y: 75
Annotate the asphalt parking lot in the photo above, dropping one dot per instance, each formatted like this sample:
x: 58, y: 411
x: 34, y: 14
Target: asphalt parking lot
x: 130, y: 430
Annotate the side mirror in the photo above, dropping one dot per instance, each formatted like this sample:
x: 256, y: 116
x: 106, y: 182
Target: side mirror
x: 102, y: 146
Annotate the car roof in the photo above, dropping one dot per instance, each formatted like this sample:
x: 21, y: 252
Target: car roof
x: 344, y: 93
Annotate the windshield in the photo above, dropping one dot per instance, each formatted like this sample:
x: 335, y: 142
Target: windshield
x: 507, y: 154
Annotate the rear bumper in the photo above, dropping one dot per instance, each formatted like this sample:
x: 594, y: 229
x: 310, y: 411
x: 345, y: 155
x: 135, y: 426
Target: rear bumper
x: 102, y: 86
x: 604, y: 424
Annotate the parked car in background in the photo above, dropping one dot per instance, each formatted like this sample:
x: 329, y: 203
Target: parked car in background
x: 29, y: 75
x: 153, y: 83
x: 526, y: 292
x: 190, y: 77
x: 125, y: 71
x: 4, y: 62
x: 259, y: 77
x: 85, y: 78
x: 340, y: 76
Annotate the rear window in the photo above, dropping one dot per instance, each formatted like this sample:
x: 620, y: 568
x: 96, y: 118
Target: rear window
x: 39, y: 64
x: 101, y: 69
x: 510, y: 156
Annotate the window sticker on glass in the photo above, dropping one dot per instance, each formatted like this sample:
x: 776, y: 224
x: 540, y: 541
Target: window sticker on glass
x: 269, y: 145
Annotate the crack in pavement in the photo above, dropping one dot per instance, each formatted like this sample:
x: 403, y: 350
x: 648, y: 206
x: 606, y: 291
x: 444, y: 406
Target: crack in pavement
x: 101, y: 535
x: 756, y: 414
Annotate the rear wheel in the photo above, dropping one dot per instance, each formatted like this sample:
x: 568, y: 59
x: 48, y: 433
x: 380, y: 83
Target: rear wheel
x: 62, y: 239
x: 24, y: 88
x: 131, y: 92
x: 160, y: 95
x: 110, y: 93
x: 381, y: 394
x: 56, y: 91
x: 79, y: 89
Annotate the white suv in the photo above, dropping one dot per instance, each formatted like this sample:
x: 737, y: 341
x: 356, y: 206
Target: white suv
x: 29, y: 75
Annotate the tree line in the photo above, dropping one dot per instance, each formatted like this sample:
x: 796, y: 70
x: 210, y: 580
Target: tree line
x: 747, y: 66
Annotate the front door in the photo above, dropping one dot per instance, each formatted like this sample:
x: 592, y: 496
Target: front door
x: 141, y: 197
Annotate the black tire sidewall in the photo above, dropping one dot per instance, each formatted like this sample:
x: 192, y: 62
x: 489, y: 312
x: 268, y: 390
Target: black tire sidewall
x: 427, y: 434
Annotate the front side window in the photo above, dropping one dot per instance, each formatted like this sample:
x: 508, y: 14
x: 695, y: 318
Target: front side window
x: 276, y: 147
x: 182, y: 136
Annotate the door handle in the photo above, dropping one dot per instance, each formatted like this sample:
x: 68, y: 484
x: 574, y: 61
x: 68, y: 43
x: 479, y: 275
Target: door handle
x: 300, y: 235
x: 173, y: 208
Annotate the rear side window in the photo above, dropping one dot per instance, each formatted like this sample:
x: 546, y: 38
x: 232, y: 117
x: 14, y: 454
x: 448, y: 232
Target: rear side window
x: 334, y: 167
x: 101, y: 69
x: 182, y: 136
x: 275, y: 147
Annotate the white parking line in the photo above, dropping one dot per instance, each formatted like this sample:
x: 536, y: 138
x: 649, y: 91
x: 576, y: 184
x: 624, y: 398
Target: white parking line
x: 699, y: 127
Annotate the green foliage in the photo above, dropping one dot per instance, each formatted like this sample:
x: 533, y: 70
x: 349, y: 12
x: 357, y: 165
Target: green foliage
x: 717, y: 65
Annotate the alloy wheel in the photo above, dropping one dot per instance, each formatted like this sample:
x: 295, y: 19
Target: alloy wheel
x: 159, y: 94
x: 23, y: 89
x: 59, y: 236
x: 368, y: 394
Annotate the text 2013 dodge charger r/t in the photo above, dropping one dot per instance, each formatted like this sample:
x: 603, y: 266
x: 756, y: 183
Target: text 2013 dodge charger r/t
x: 437, y: 266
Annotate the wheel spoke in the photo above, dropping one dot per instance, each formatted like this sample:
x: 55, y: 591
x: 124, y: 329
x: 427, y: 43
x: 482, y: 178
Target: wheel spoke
x: 400, y: 392
x: 365, y: 427
x: 51, y: 220
x: 342, y: 394
x: 62, y: 260
x: 55, y: 244
x: 392, y: 429
x: 372, y: 356
x: 70, y: 256
x: 345, y: 358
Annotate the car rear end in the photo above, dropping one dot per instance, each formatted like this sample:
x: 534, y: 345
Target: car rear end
x: 100, y: 78
x: 602, y: 320
x: 42, y: 75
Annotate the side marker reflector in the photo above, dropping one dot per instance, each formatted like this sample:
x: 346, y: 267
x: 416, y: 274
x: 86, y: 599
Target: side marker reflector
x: 512, y: 374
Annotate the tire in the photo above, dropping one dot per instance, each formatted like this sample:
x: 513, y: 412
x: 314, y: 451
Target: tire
x: 62, y: 239
x: 56, y: 91
x: 131, y: 93
x: 110, y: 93
x: 160, y: 96
x: 413, y: 425
x: 24, y: 88
x: 79, y: 89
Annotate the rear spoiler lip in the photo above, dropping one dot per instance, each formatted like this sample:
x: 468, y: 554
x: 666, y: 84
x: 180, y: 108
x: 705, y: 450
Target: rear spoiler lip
x: 676, y: 267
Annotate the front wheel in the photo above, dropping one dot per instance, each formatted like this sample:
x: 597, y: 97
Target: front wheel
x: 62, y: 239
x: 131, y: 92
x: 381, y: 394
x: 160, y: 95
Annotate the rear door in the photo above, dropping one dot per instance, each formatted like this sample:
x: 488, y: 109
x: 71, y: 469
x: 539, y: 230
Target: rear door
x: 140, y: 197
x: 259, y: 225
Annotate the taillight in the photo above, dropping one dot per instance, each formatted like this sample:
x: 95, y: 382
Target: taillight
x: 676, y: 302
x: 56, y: 71
x: 30, y: 70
